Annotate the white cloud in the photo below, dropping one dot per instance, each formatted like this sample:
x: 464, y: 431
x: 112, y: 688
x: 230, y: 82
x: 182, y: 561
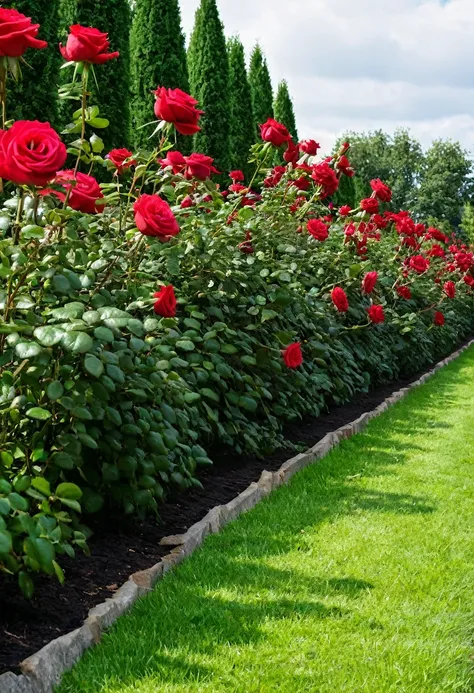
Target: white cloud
x: 365, y: 64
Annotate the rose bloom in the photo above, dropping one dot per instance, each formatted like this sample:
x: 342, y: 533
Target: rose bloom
x: 83, y: 192
x: 309, y: 147
x: 31, y: 153
x: 376, y: 314
x: 345, y: 210
x: 292, y: 153
x: 87, y: 45
x: 237, y: 176
x: 382, y: 191
x: 165, y: 305
x: 187, y: 202
x: 121, y: 159
x: 177, y: 107
x: 339, y: 298
x: 318, y: 229
x: 246, y: 246
x: 404, y: 292
x: 17, y: 34
x: 370, y: 205
x: 439, y: 319
x: 174, y: 159
x: 450, y: 289
x: 369, y: 282
x: 344, y: 166
x: 326, y: 177
x: 293, y: 356
x: 199, y: 166
x: 154, y: 217
x: 301, y: 183
x: 274, y: 132
x: 419, y: 264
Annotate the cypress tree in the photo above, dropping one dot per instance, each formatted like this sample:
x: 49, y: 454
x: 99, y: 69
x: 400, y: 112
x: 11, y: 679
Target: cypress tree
x: 284, y: 111
x: 241, y: 113
x: 261, y: 89
x: 113, y: 93
x: 36, y: 96
x: 209, y: 79
x: 158, y: 58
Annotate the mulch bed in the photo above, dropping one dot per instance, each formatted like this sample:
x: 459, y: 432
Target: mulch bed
x: 120, y: 548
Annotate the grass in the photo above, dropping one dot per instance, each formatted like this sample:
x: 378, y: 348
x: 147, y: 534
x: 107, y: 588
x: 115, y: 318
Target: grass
x: 359, y: 576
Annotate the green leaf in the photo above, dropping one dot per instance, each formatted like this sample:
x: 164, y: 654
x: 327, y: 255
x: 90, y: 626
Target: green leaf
x: 210, y: 394
x: 98, y: 123
x: 38, y: 414
x: 185, y: 345
x: 93, y: 365
x: 59, y: 572
x: 27, y: 350
x: 77, y: 342
x: 248, y: 403
x: 32, y: 231
x: 268, y: 314
x: 46, y: 552
x: 81, y: 413
x: 63, y: 460
x: 229, y: 349
x: 69, y: 491
x: 26, y: 584
x: 4, y: 506
x: 69, y: 311
x: 103, y: 334
x: 55, y: 390
x: 61, y: 284
x: 41, y: 485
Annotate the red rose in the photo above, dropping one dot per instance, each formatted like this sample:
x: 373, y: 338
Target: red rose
x: 246, y: 246
x: 177, y: 107
x: 326, y: 177
x: 369, y: 282
x: 165, y: 304
x: 301, y: 183
x: 17, y: 34
x: 439, y: 319
x: 382, y: 191
x: 31, y: 153
x: 309, y: 147
x: 344, y: 166
x: 317, y: 229
x: 419, y: 264
x: 450, y: 289
x: 292, y: 153
x: 404, y: 292
x: 121, y: 159
x: 237, y: 176
x: 199, y: 166
x: 82, y: 191
x: 345, y: 210
x: 237, y: 188
x: 469, y: 280
x: 274, y: 132
x: 187, y: 202
x: 370, y: 205
x: 174, y: 159
x: 339, y: 299
x: 376, y: 314
x: 87, y: 45
x: 153, y: 217
x: 292, y: 355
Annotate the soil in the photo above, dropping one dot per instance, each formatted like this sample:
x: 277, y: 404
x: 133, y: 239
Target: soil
x: 120, y: 548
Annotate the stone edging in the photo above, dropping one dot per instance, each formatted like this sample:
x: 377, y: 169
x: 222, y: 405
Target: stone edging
x: 44, y: 670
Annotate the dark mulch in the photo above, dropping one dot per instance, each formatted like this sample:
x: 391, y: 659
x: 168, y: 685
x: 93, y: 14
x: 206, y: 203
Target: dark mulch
x: 121, y: 548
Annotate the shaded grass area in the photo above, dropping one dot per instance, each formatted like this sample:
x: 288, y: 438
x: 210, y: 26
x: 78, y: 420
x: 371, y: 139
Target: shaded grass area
x: 359, y: 576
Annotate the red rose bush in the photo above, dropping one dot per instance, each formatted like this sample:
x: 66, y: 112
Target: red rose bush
x: 150, y: 316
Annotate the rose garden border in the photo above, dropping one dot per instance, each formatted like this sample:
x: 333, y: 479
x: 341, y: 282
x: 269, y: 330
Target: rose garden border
x: 44, y: 670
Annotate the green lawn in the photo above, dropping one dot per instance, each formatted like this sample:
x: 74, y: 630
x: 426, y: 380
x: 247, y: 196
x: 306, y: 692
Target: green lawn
x: 359, y: 576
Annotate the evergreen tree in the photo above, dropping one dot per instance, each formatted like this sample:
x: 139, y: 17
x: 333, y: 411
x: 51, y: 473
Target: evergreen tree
x: 113, y: 93
x: 241, y: 113
x: 284, y: 111
x: 261, y: 89
x: 158, y: 58
x: 36, y: 96
x: 346, y: 193
x: 209, y: 79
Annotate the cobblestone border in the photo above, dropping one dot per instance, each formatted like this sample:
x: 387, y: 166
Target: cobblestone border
x: 44, y: 670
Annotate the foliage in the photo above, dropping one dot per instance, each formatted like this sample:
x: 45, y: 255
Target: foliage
x: 157, y: 62
x: 283, y: 108
x: 467, y: 222
x: 114, y: 17
x: 209, y: 80
x: 241, y: 113
x: 33, y: 98
x: 261, y: 89
x: 447, y: 182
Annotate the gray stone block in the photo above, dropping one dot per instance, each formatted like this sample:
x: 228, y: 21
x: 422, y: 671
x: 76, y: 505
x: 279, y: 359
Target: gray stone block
x: 296, y: 464
x: 265, y: 483
x: 147, y: 579
x: 245, y: 501
x: 9, y: 683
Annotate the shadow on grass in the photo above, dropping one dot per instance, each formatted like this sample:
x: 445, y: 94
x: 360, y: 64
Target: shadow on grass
x: 208, y: 605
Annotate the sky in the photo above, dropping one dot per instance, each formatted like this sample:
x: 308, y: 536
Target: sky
x: 365, y: 64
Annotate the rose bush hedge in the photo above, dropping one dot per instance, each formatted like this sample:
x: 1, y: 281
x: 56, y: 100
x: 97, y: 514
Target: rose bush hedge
x: 146, y: 319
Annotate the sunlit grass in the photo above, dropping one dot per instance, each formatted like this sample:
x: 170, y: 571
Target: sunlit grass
x: 359, y: 576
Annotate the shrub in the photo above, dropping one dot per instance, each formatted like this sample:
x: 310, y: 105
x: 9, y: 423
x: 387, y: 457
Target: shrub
x: 145, y: 320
